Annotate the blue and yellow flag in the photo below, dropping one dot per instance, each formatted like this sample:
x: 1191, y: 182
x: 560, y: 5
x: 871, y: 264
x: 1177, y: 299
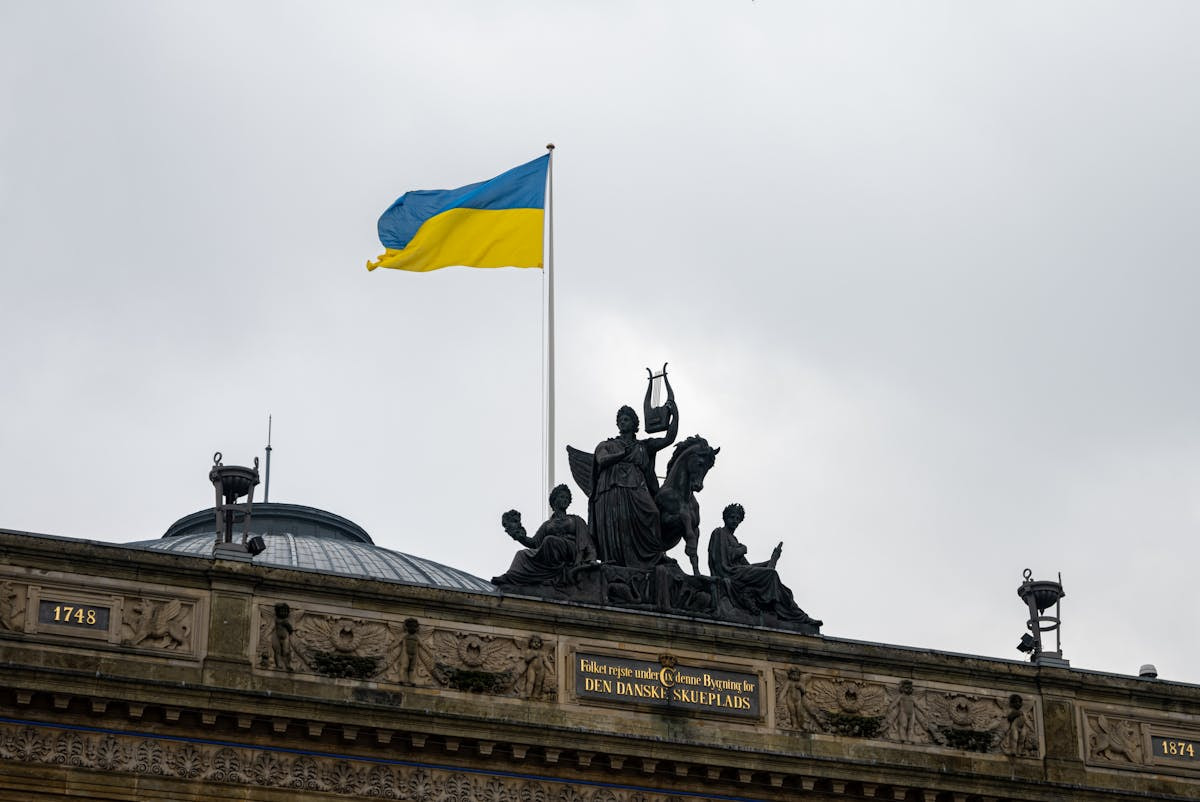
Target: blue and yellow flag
x: 496, y: 223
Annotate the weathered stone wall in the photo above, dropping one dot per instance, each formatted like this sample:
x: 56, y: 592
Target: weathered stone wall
x: 228, y: 675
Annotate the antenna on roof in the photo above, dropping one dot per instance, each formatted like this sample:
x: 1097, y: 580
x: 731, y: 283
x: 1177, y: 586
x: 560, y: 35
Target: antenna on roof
x: 267, y: 485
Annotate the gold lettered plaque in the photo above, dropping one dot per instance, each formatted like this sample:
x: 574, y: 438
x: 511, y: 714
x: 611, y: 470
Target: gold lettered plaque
x: 643, y: 682
x: 81, y: 615
x: 1173, y: 749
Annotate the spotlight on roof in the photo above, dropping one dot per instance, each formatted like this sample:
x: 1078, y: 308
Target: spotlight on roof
x: 1039, y: 596
x: 1148, y: 671
x: 255, y: 545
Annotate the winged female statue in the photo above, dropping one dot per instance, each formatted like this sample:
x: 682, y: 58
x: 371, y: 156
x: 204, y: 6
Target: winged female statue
x: 620, y: 482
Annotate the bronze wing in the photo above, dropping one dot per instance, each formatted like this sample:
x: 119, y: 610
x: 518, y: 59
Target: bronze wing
x: 581, y: 463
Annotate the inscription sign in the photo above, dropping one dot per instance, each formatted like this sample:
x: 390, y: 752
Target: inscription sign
x: 617, y: 679
x: 1176, y: 748
x: 74, y: 614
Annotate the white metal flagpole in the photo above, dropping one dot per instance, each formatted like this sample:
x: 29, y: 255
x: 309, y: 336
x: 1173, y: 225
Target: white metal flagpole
x: 550, y: 322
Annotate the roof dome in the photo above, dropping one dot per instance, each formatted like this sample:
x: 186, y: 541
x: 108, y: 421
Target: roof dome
x: 309, y: 539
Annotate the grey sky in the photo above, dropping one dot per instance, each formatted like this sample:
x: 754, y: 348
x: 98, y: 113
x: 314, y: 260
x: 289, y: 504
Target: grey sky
x: 926, y: 272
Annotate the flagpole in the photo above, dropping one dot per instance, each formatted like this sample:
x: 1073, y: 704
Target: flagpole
x: 550, y: 323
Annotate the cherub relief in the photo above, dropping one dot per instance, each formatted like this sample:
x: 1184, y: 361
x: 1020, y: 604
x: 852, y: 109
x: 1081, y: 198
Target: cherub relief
x: 534, y: 669
x: 408, y: 653
x: 905, y: 721
x: 1020, y: 734
x: 791, y: 712
x: 281, y: 633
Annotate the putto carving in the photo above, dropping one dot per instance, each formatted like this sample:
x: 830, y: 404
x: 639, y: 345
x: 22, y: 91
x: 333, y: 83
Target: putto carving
x: 12, y: 607
x: 409, y: 659
x: 1019, y: 737
x: 157, y: 624
x: 278, y: 645
x: 905, y: 721
x: 1114, y: 740
x: 534, y: 671
x: 281, y: 637
x: 790, y: 711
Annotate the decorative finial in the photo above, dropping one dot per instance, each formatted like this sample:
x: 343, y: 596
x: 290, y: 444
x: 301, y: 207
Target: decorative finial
x: 550, y: 146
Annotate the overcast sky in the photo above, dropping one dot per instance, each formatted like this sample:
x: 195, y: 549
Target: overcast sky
x: 925, y: 272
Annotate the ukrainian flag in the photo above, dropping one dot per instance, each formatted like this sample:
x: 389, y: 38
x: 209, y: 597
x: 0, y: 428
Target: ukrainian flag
x: 496, y: 223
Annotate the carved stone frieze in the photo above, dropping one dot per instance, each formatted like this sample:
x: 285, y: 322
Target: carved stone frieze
x: 166, y: 624
x: 234, y: 764
x: 982, y: 723
x: 905, y: 713
x: 12, y: 607
x: 846, y: 707
x: 1114, y: 740
x: 406, y: 653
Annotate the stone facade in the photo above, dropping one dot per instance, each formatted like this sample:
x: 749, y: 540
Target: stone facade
x: 127, y: 674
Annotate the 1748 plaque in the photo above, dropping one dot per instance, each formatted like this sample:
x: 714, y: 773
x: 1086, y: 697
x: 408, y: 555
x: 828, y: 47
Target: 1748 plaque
x: 643, y: 682
x: 73, y: 614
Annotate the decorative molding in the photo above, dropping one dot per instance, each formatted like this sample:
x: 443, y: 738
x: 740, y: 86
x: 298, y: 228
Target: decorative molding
x: 235, y: 764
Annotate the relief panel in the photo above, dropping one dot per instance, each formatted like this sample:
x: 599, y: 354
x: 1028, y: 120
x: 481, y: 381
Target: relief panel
x: 1120, y: 741
x: 405, y: 652
x: 902, y: 712
x: 95, y: 610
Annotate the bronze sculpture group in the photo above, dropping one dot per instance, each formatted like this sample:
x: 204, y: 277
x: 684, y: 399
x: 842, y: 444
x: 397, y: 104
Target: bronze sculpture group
x: 618, y: 556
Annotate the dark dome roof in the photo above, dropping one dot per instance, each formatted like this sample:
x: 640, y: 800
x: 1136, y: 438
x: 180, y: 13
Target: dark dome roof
x: 309, y: 539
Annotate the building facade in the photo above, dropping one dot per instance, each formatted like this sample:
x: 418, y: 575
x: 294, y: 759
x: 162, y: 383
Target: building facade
x: 329, y: 668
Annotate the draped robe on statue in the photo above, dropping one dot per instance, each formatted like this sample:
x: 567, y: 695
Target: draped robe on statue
x: 558, y: 544
x: 758, y: 583
x: 625, y: 520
